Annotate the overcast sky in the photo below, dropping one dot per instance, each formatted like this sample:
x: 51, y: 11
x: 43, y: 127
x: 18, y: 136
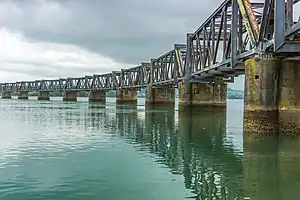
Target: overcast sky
x: 65, y: 38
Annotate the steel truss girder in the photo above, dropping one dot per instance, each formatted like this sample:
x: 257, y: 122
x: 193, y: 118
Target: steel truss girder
x: 237, y: 30
x: 169, y: 68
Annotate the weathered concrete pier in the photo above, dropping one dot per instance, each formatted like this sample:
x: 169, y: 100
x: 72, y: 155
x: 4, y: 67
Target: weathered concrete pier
x: 258, y: 39
x: 272, y: 96
x: 44, y: 96
x: 126, y: 96
x: 23, y: 95
x: 203, y: 94
x: 6, y: 95
x: 164, y: 96
x: 97, y: 96
x: 70, y: 96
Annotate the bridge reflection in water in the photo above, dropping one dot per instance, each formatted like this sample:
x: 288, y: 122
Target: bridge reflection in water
x: 271, y: 167
x: 193, y: 146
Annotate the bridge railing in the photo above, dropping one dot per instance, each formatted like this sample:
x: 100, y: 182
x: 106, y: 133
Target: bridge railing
x: 169, y: 68
x: 222, y: 41
x: 132, y: 78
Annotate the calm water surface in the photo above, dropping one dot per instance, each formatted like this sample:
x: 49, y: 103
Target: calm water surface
x: 58, y: 150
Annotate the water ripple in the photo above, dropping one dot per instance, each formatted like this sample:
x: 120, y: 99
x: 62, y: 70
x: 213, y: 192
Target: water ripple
x: 57, y: 150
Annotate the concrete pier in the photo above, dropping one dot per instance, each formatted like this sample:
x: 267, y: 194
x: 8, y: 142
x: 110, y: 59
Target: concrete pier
x: 261, y: 84
x: 44, y: 96
x: 126, y: 96
x: 220, y: 94
x: 160, y: 96
x: 70, y: 96
x: 23, y: 95
x: 6, y: 95
x: 203, y: 95
x: 289, y: 97
x: 97, y: 96
x: 195, y: 94
x: 260, y: 101
x: 272, y: 96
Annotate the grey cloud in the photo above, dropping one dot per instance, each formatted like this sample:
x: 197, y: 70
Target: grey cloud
x: 128, y: 31
x: 47, y: 70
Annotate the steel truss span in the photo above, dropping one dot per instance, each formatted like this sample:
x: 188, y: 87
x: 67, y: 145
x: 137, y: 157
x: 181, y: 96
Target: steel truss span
x: 237, y: 30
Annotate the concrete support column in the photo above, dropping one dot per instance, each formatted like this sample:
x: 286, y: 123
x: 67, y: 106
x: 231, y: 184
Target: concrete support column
x: 261, y: 95
x: 185, y: 94
x: 44, y: 96
x: 261, y: 84
x: 23, y: 95
x: 220, y: 93
x: 289, y: 97
x: 70, y: 96
x: 126, y: 96
x: 195, y: 94
x: 202, y: 94
x: 160, y: 96
x: 97, y: 96
x: 205, y: 95
x: 6, y: 95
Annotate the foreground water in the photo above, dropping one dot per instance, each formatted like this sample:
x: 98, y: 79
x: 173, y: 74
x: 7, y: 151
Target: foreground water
x: 57, y: 150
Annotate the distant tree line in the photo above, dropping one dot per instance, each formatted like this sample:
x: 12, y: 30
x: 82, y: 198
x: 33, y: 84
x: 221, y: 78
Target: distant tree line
x: 235, y: 94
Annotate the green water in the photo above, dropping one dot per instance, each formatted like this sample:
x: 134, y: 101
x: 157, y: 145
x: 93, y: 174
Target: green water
x: 57, y: 150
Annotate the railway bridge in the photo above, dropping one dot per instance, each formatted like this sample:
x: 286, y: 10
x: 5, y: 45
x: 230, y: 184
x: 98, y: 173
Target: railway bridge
x: 257, y: 38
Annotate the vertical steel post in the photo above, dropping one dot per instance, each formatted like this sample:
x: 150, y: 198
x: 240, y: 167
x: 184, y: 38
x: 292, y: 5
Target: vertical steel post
x: 142, y: 75
x: 86, y: 83
x: 279, y: 24
x: 234, y: 29
x: 152, y: 72
x: 225, y: 32
x: 213, y: 35
x: 289, y: 13
x: 176, y: 64
x: 188, y: 62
